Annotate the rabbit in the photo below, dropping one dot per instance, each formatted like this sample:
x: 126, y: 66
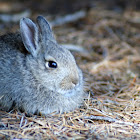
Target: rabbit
x: 36, y: 74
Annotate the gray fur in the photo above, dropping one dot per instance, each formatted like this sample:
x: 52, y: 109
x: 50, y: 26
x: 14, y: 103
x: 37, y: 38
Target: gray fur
x: 26, y: 82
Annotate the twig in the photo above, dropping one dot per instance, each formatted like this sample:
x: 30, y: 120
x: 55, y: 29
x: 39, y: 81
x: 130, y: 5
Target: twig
x: 1, y: 97
x: 75, y: 48
x: 108, y: 119
x: 100, y: 118
x: 22, y: 118
x: 14, y: 18
x: 68, y: 18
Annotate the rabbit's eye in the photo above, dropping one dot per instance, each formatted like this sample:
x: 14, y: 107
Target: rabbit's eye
x: 52, y: 64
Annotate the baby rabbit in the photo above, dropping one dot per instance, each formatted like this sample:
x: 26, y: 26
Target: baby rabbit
x: 36, y: 74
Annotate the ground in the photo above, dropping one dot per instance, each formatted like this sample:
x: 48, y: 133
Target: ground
x: 108, y: 55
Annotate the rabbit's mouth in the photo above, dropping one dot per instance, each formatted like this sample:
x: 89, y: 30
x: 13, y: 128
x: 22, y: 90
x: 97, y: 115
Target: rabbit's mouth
x: 68, y: 86
x: 67, y: 92
x: 70, y: 89
x: 69, y: 83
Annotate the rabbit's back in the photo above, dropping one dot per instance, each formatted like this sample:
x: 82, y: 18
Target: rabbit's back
x: 12, y: 54
x: 10, y: 50
x: 10, y: 44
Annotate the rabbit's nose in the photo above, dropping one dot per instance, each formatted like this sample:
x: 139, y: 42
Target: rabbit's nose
x: 74, y: 81
x: 69, y: 82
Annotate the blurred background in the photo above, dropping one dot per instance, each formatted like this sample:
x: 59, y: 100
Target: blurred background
x: 57, y: 7
x: 106, y: 38
x: 11, y: 11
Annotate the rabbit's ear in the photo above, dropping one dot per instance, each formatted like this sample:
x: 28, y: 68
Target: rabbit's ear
x: 45, y: 28
x: 29, y: 34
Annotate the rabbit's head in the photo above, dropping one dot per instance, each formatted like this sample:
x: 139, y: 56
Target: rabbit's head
x: 52, y: 65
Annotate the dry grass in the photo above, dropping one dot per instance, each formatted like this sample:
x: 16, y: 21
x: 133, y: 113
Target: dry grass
x: 111, y: 67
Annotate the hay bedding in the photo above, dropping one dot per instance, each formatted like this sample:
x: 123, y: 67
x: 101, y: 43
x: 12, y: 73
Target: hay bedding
x: 111, y: 66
